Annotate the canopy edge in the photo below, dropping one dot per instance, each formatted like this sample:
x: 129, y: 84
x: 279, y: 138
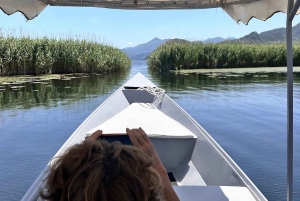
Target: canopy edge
x: 262, y: 10
x: 240, y: 10
x: 29, y: 8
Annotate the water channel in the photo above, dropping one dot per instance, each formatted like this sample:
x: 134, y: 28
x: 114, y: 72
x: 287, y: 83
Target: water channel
x: 245, y: 114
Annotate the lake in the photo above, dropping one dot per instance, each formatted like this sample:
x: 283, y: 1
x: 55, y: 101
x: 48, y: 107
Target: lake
x: 245, y: 114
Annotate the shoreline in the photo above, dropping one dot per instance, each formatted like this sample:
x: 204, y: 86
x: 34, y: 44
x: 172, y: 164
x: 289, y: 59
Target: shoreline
x: 237, y: 70
x: 31, y: 78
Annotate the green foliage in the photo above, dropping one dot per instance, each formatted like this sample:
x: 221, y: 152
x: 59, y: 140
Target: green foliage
x: 24, y: 56
x: 195, y: 55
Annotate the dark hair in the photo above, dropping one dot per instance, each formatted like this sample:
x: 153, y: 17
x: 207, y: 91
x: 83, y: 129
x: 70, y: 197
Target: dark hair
x: 102, y: 171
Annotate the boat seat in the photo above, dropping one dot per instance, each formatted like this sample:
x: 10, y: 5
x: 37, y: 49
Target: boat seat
x: 173, y: 142
x: 188, y: 175
x: 213, y: 193
x: 137, y: 96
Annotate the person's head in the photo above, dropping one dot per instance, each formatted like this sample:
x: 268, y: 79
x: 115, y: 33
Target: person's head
x: 102, y: 171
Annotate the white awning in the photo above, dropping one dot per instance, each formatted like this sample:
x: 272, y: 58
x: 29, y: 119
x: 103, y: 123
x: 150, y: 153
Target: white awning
x: 262, y: 9
x: 30, y: 8
x: 239, y: 10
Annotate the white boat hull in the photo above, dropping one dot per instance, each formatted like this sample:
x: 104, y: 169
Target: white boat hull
x: 209, y: 169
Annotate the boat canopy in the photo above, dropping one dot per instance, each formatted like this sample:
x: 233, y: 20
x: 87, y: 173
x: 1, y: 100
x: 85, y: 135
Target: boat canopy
x: 239, y: 10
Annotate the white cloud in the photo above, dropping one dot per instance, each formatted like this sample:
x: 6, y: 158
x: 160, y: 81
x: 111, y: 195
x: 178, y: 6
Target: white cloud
x: 129, y: 43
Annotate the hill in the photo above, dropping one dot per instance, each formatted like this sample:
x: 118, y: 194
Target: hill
x: 218, y: 40
x: 274, y: 35
x: 143, y: 50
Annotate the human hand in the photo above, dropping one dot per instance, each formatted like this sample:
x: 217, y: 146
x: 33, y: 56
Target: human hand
x: 140, y: 140
x: 95, y: 135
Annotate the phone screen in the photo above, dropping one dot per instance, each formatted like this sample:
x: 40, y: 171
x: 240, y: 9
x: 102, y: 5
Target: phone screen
x: 124, y: 139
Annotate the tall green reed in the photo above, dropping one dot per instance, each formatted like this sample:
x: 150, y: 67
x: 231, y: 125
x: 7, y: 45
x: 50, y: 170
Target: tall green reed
x: 27, y: 56
x: 195, y: 55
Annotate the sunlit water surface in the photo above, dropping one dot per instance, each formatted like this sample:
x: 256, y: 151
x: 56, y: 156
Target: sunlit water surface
x: 245, y: 114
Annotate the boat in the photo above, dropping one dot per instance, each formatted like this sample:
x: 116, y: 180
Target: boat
x: 198, y: 167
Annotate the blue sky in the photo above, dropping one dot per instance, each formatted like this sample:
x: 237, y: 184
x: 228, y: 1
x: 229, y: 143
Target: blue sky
x: 124, y: 28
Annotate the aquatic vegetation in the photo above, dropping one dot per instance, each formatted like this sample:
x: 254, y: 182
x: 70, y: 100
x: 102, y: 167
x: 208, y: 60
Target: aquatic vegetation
x: 28, y: 56
x: 195, y: 55
x: 52, y: 92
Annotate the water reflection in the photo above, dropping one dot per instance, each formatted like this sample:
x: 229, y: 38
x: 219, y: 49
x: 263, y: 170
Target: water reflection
x: 61, y: 91
x: 50, y: 93
x: 212, y: 82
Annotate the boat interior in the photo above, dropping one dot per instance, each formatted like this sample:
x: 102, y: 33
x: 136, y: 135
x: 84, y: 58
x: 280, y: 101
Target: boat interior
x: 198, y: 167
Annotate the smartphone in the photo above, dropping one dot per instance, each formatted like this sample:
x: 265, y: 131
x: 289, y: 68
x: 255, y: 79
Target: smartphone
x: 124, y: 139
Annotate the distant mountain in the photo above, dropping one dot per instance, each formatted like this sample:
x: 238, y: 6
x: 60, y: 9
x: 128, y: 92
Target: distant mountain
x: 177, y: 40
x: 217, y: 40
x: 141, y: 56
x: 143, y: 50
x: 253, y: 37
x: 274, y: 35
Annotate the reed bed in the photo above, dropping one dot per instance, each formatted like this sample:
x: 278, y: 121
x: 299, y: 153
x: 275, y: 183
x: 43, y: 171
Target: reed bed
x: 196, y: 55
x: 28, y: 56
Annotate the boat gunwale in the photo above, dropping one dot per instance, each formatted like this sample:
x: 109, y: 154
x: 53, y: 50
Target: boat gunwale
x: 243, y: 176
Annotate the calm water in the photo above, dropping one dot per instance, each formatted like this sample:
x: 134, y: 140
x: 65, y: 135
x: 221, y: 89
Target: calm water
x: 245, y: 115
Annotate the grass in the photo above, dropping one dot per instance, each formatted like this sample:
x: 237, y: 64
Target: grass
x: 27, y: 56
x: 196, y: 55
